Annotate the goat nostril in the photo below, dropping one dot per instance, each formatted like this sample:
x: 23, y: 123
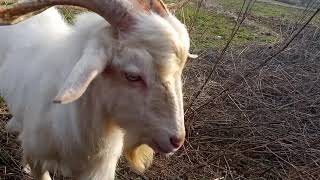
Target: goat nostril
x: 176, y: 142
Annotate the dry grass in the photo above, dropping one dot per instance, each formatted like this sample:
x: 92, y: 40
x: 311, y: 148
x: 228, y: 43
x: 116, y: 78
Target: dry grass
x: 268, y: 128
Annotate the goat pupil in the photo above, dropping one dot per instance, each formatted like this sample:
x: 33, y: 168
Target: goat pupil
x: 133, y: 77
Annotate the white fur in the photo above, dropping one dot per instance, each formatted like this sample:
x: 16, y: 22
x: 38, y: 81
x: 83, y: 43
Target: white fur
x: 44, y: 60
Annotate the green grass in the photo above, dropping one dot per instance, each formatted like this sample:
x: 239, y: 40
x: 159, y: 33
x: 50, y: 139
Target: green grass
x: 2, y: 102
x: 69, y: 14
x: 261, y: 9
x: 269, y: 10
x: 5, y: 3
x: 208, y: 25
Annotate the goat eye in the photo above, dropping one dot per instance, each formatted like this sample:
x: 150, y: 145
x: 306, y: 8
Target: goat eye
x: 133, y: 77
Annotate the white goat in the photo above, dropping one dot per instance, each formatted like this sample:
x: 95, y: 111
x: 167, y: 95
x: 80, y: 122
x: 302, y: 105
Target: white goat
x: 82, y: 95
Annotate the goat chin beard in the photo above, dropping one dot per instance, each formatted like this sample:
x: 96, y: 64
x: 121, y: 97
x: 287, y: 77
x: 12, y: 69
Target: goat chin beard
x: 139, y: 157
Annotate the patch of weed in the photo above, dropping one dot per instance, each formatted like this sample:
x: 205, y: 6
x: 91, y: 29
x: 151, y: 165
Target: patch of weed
x: 212, y: 30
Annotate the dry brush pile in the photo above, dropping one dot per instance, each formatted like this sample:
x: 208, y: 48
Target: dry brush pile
x: 269, y: 126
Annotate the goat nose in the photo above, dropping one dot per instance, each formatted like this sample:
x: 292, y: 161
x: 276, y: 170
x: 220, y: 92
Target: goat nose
x: 176, y: 141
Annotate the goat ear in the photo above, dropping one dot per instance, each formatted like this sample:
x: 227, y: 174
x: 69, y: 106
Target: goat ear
x: 92, y: 63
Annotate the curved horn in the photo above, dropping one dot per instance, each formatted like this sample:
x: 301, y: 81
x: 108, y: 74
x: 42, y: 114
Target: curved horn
x: 158, y: 6
x: 118, y: 13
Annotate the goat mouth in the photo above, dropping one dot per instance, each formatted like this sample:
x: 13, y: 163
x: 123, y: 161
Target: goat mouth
x: 160, y: 149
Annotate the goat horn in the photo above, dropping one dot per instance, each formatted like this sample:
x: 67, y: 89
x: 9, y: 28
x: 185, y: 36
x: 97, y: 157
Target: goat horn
x: 159, y: 7
x: 118, y: 13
